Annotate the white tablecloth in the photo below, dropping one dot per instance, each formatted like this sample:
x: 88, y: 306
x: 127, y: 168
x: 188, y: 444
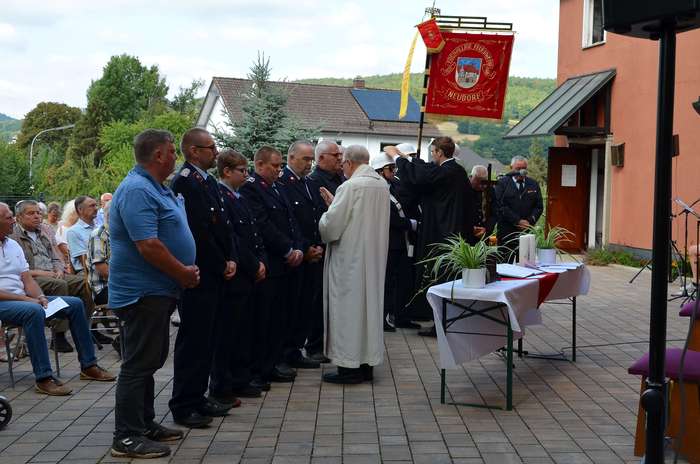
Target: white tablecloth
x: 520, y: 298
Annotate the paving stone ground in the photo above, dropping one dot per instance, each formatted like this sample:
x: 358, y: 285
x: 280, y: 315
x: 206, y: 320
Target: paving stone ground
x: 581, y: 412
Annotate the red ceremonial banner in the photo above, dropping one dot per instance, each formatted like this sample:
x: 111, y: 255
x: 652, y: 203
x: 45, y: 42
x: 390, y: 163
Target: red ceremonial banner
x: 470, y: 75
x: 432, y: 37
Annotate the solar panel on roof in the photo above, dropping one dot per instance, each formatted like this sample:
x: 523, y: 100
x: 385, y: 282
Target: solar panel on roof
x: 383, y: 105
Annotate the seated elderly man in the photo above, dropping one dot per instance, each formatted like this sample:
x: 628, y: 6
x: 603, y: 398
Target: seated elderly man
x: 22, y: 303
x: 45, y: 266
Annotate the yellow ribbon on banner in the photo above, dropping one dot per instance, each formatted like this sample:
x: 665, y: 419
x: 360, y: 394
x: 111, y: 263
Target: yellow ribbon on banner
x: 406, y: 80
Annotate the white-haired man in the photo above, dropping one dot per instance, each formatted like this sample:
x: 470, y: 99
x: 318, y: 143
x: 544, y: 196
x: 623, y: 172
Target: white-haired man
x: 327, y: 172
x: 356, y: 231
x: 519, y: 205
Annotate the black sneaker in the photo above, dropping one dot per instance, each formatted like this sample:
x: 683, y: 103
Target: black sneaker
x: 138, y: 447
x: 157, y: 432
x: 60, y: 343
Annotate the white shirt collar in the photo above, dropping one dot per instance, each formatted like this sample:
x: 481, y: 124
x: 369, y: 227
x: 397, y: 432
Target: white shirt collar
x: 201, y: 171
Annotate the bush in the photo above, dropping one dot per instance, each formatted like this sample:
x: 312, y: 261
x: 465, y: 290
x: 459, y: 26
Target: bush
x: 603, y: 257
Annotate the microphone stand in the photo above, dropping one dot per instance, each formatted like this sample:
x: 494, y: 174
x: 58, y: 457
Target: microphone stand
x: 682, y: 270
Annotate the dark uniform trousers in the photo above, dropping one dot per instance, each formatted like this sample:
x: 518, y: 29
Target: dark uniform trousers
x: 312, y: 299
x: 398, y: 285
x: 280, y: 234
x: 307, y: 206
x: 202, y: 307
x: 249, y: 334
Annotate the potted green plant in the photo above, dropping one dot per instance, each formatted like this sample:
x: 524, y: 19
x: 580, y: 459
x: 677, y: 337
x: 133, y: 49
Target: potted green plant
x: 456, y: 256
x: 548, y: 240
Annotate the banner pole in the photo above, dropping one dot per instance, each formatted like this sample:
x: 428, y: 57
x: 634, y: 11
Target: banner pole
x: 426, y: 77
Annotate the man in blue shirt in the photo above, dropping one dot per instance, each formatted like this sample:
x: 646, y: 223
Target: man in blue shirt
x: 153, y: 256
x: 78, y: 235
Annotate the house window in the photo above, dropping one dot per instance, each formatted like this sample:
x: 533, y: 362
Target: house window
x: 593, y: 33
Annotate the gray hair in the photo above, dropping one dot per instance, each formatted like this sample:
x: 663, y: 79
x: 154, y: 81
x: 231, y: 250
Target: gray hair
x: 322, y: 146
x: 146, y: 143
x: 21, y: 206
x: 298, y: 144
x: 517, y: 158
x: 69, y: 216
x: 479, y: 171
x: 356, y: 154
x: 6, y: 206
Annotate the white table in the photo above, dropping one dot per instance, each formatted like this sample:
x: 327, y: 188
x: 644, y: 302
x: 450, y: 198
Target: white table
x: 471, y: 322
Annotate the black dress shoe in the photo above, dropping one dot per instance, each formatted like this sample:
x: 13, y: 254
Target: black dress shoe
x: 214, y: 408
x: 305, y: 363
x: 367, y: 372
x: 248, y: 391
x: 428, y: 332
x: 407, y: 325
x: 258, y: 382
x: 319, y: 358
x: 285, y: 369
x: 193, y: 420
x: 344, y: 376
x: 277, y: 376
x: 388, y: 327
x: 60, y: 343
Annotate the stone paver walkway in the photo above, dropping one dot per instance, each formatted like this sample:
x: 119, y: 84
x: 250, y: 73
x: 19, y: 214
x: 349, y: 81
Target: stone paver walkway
x: 564, y: 412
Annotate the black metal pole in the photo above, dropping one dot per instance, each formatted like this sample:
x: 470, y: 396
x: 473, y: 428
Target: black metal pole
x: 653, y: 397
x: 424, y: 100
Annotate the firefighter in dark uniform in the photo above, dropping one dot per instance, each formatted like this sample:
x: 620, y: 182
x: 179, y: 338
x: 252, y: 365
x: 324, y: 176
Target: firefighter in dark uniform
x: 282, y: 241
x: 201, y: 307
x: 518, y: 205
x: 327, y: 174
x: 307, y: 205
x: 249, y: 289
x: 399, y: 278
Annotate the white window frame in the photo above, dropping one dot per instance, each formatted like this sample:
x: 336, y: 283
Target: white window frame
x: 587, y: 39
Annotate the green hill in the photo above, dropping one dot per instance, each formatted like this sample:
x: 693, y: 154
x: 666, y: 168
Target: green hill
x: 483, y: 136
x: 9, y: 127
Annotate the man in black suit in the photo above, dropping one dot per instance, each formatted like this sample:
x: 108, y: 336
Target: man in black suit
x: 443, y: 185
x: 518, y: 205
x: 327, y: 173
x: 201, y: 307
x: 307, y: 205
x: 249, y: 288
x: 283, y: 244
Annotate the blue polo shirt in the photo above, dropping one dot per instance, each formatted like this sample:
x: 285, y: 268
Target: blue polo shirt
x: 78, y: 237
x: 143, y: 209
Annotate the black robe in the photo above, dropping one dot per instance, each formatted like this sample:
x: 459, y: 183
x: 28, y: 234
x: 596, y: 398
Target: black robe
x: 446, y: 204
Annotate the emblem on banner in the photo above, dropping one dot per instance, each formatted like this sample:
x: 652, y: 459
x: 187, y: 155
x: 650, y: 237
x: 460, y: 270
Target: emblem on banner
x: 467, y: 72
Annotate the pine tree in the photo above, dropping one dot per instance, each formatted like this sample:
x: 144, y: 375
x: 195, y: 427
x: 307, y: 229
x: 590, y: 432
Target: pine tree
x: 265, y: 120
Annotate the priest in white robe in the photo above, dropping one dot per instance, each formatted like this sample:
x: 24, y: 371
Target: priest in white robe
x: 356, y: 231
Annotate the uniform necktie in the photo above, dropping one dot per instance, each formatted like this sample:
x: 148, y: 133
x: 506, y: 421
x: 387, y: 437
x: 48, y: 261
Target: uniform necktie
x: 520, y: 186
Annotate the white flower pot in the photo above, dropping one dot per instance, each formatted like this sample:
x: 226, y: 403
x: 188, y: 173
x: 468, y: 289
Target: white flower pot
x: 547, y: 255
x: 474, y: 278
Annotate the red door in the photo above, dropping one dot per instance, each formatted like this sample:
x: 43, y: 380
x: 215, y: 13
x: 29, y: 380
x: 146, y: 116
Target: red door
x: 568, y: 187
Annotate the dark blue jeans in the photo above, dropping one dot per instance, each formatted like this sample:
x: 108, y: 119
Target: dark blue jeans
x: 31, y: 317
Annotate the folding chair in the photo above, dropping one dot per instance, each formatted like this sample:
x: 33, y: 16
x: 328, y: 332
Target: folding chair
x: 12, y: 354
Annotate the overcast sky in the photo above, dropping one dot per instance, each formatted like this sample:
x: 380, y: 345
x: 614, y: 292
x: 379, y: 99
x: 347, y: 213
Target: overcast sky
x: 51, y: 50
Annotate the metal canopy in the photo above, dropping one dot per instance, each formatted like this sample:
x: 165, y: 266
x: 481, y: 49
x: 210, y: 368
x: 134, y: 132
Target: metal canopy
x: 558, y: 107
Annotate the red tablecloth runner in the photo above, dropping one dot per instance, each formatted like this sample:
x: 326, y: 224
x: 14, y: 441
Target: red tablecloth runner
x: 546, y: 284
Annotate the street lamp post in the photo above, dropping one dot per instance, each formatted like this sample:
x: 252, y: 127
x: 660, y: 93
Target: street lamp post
x: 31, y: 148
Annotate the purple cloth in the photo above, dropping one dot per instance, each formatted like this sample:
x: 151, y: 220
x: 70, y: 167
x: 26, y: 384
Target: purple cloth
x: 673, y: 361
x: 687, y: 309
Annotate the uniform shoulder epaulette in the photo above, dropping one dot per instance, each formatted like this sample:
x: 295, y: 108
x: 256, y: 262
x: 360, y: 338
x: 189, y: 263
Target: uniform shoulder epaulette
x: 185, y: 172
x: 251, y: 179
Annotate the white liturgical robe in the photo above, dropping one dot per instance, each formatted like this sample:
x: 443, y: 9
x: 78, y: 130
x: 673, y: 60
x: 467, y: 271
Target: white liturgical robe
x: 356, y: 229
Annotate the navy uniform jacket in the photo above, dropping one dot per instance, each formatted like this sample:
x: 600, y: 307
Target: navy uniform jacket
x: 251, y: 249
x: 307, y: 206
x: 275, y: 220
x: 512, y: 205
x: 331, y: 181
x: 208, y: 221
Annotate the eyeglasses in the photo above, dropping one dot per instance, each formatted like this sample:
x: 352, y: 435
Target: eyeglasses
x: 391, y: 168
x: 211, y: 147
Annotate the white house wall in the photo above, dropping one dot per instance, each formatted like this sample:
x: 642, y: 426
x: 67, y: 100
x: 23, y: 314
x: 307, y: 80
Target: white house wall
x: 373, y: 142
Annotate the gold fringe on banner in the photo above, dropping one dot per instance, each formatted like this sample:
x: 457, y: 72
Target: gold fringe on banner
x: 406, y: 80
